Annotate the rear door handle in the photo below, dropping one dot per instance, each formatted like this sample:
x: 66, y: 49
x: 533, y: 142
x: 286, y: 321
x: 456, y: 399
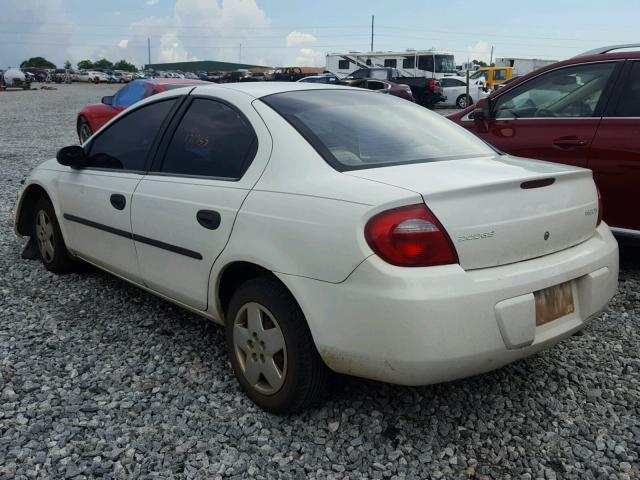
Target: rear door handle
x: 209, y: 219
x: 568, y: 142
x: 118, y: 201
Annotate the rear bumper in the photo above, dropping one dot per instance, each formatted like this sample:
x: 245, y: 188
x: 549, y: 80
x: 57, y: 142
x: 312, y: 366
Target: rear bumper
x: 417, y: 326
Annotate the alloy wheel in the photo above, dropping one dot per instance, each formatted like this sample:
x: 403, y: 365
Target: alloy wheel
x: 44, y: 234
x: 260, y: 349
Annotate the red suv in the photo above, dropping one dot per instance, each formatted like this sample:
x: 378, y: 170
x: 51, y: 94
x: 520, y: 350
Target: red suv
x: 583, y: 111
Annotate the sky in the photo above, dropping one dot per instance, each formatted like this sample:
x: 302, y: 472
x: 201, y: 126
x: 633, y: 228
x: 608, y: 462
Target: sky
x: 290, y: 32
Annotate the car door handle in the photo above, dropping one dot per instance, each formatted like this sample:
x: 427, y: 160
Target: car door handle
x: 568, y: 142
x: 118, y: 201
x: 209, y: 219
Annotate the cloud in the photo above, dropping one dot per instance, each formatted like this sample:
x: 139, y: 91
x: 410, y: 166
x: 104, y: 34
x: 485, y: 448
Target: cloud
x: 480, y: 51
x: 308, y: 57
x: 23, y: 22
x: 124, y: 43
x: 152, y: 2
x: 295, y: 39
x: 212, y: 30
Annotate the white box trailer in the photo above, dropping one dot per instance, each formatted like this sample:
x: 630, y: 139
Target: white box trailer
x: 411, y: 63
x: 523, y: 66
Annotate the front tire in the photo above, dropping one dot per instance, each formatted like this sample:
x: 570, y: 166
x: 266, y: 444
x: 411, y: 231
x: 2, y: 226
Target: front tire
x: 51, y: 247
x: 271, y: 349
x: 84, y: 130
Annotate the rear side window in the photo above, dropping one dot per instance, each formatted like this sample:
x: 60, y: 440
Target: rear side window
x: 125, y: 144
x: 629, y: 103
x: 212, y: 140
x: 343, y: 64
x: 355, y: 129
x: 390, y: 62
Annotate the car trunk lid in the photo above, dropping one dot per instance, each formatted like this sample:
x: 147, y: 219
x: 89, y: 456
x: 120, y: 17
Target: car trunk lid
x: 500, y: 210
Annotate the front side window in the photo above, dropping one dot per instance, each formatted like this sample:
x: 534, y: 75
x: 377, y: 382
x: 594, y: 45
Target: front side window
x: 129, y: 94
x: 564, y: 93
x: 357, y: 129
x: 360, y: 73
x: 629, y: 103
x: 212, y: 140
x: 126, y: 143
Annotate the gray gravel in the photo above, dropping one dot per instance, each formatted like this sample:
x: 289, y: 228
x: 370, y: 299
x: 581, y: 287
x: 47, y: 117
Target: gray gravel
x: 99, y: 379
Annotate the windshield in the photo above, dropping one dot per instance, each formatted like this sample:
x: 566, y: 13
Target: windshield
x: 480, y: 74
x: 358, y: 129
x: 445, y: 64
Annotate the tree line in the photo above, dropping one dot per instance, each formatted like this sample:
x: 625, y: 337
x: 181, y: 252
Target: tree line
x: 41, y: 62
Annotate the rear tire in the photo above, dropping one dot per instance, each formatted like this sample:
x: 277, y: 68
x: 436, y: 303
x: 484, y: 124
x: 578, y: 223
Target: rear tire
x: 463, y: 101
x: 273, y: 357
x: 51, y: 247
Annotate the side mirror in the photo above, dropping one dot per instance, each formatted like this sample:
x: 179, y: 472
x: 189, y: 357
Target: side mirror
x: 108, y: 100
x: 72, y: 156
x: 482, y: 115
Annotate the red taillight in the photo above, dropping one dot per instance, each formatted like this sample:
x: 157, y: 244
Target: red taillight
x: 432, y: 85
x: 410, y: 237
x: 599, y: 221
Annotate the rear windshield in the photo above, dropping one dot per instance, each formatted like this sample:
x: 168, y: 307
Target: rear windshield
x: 354, y: 129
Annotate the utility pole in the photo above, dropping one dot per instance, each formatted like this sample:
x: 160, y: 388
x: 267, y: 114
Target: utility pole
x: 372, y: 17
x: 491, y: 58
x: 149, y: 50
x: 240, y: 54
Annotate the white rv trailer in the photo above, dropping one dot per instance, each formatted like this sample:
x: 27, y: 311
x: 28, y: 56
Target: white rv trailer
x: 411, y: 63
x: 523, y: 66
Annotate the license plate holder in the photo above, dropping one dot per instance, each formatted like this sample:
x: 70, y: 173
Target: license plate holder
x: 553, y: 302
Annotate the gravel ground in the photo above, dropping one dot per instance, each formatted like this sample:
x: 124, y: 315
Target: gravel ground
x: 99, y: 379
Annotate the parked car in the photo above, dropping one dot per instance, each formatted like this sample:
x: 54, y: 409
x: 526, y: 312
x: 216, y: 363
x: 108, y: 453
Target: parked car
x: 324, y: 78
x: 382, y: 86
x: 122, y: 76
x: 92, y: 117
x: 329, y: 227
x: 15, y: 78
x: 425, y: 91
x: 455, y: 89
x: 93, y: 76
x: 584, y: 111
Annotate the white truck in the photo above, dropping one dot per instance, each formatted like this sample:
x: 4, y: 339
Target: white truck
x: 410, y: 63
x: 522, y: 66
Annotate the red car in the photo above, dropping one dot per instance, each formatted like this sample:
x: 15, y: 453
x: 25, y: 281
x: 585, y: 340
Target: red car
x: 92, y: 117
x: 583, y: 111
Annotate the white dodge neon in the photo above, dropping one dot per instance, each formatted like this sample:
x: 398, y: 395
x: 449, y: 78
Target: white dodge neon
x: 329, y: 228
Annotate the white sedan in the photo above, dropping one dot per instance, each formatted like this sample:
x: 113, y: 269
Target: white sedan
x: 329, y: 228
x: 455, y: 89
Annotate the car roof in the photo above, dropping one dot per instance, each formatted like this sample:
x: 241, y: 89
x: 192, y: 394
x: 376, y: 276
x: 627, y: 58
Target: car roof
x: 174, y: 81
x: 262, y: 89
x: 587, y: 57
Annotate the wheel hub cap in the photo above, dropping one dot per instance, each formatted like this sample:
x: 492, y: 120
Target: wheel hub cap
x: 260, y: 348
x: 44, y: 235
